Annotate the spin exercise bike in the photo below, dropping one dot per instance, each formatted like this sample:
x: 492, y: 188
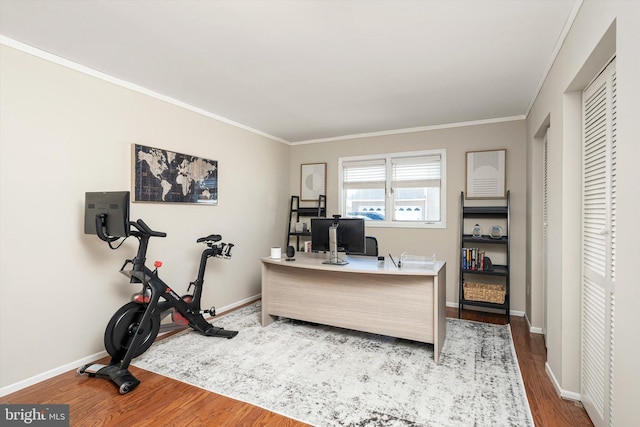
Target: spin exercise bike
x: 134, y: 327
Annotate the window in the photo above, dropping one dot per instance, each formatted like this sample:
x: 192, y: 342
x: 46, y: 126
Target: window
x: 395, y: 190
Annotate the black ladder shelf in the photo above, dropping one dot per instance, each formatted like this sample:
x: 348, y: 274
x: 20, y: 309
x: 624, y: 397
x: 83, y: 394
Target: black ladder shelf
x: 319, y: 210
x: 488, y: 242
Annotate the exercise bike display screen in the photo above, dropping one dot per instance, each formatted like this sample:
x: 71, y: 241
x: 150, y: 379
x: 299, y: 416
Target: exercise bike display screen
x: 113, y: 209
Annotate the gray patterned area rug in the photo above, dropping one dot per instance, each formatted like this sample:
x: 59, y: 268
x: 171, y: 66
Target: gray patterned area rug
x: 335, y: 377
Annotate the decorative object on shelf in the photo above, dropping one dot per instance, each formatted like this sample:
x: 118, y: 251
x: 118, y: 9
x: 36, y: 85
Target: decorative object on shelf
x: 486, y: 174
x: 166, y: 176
x: 496, y: 232
x: 487, y: 265
x: 313, y: 181
x: 477, y: 231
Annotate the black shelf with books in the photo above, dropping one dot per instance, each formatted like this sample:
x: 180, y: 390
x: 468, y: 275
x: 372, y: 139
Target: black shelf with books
x: 482, y: 282
x: 296, y: 212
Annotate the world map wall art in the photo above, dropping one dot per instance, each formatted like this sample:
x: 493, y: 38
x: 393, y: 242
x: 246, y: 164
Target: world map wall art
x: 166, y: 176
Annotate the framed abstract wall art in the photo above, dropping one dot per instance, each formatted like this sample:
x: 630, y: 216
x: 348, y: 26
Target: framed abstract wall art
x: 486, y: 174
x: 166, y: 176
x: 313, y: 180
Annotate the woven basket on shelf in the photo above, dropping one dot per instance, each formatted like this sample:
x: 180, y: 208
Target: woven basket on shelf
x: 484, y: 292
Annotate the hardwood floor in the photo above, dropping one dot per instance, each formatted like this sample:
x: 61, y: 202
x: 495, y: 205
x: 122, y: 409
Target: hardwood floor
x: 160, y: 401
x: 547, y: 407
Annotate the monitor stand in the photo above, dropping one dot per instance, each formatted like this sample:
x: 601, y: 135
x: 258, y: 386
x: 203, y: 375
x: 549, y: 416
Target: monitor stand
x: 333, y: 247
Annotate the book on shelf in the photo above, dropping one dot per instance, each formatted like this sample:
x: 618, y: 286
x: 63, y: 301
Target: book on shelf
x: 473, y: 259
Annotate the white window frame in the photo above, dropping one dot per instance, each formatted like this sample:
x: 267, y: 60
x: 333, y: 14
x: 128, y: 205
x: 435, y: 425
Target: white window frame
x: 387, y: 158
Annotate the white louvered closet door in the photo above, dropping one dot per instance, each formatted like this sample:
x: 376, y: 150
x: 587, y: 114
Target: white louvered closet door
x: 545, y: 229
x: 598, y: 245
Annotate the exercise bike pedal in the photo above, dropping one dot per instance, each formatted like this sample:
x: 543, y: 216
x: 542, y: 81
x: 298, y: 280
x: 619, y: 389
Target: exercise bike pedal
x: 90, y: 369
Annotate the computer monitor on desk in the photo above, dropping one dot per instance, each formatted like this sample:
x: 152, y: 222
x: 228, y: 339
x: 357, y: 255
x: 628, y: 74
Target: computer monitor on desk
x: 337, y: 235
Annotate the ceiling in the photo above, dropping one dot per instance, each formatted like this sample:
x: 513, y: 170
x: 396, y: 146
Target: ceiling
x: 311, y: 70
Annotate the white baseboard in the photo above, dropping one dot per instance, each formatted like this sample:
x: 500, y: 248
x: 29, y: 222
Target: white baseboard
x: 511, y: 312
x: 565, y: 394
x: 533, y: 329
x: 236, y: 304
x: 12, y: 388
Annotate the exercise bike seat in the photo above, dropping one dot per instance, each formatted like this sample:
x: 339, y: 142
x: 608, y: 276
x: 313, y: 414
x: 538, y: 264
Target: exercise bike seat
x: 210, y: 238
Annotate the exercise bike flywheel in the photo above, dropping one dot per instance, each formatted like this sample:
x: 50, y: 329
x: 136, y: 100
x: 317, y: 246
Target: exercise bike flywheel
x: 122, y: 329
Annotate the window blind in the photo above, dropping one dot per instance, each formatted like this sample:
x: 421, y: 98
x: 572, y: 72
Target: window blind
x: 417, y: 172
x: 363, y: 174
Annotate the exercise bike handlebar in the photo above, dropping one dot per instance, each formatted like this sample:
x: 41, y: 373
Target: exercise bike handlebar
x: 144, y: 228
x: 223, y: 249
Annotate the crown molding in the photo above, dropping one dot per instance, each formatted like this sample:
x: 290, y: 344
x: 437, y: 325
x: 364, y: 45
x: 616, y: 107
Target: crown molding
x: 415, y: 129
x: 123, y: 83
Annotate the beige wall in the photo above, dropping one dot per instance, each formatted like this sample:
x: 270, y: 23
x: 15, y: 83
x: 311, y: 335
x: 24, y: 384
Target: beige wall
x: 444, y: 242
x: 600, y: 30
x: 64, y: 133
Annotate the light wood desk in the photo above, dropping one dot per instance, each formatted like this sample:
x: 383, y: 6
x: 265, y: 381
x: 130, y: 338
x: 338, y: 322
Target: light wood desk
x: 406, y: 303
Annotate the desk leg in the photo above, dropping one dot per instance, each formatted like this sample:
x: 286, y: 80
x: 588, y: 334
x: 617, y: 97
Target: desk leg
x: 267, y: 319
x: 439, y: 312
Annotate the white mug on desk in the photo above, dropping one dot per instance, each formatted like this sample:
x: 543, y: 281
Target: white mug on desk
x: 276, y: 253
